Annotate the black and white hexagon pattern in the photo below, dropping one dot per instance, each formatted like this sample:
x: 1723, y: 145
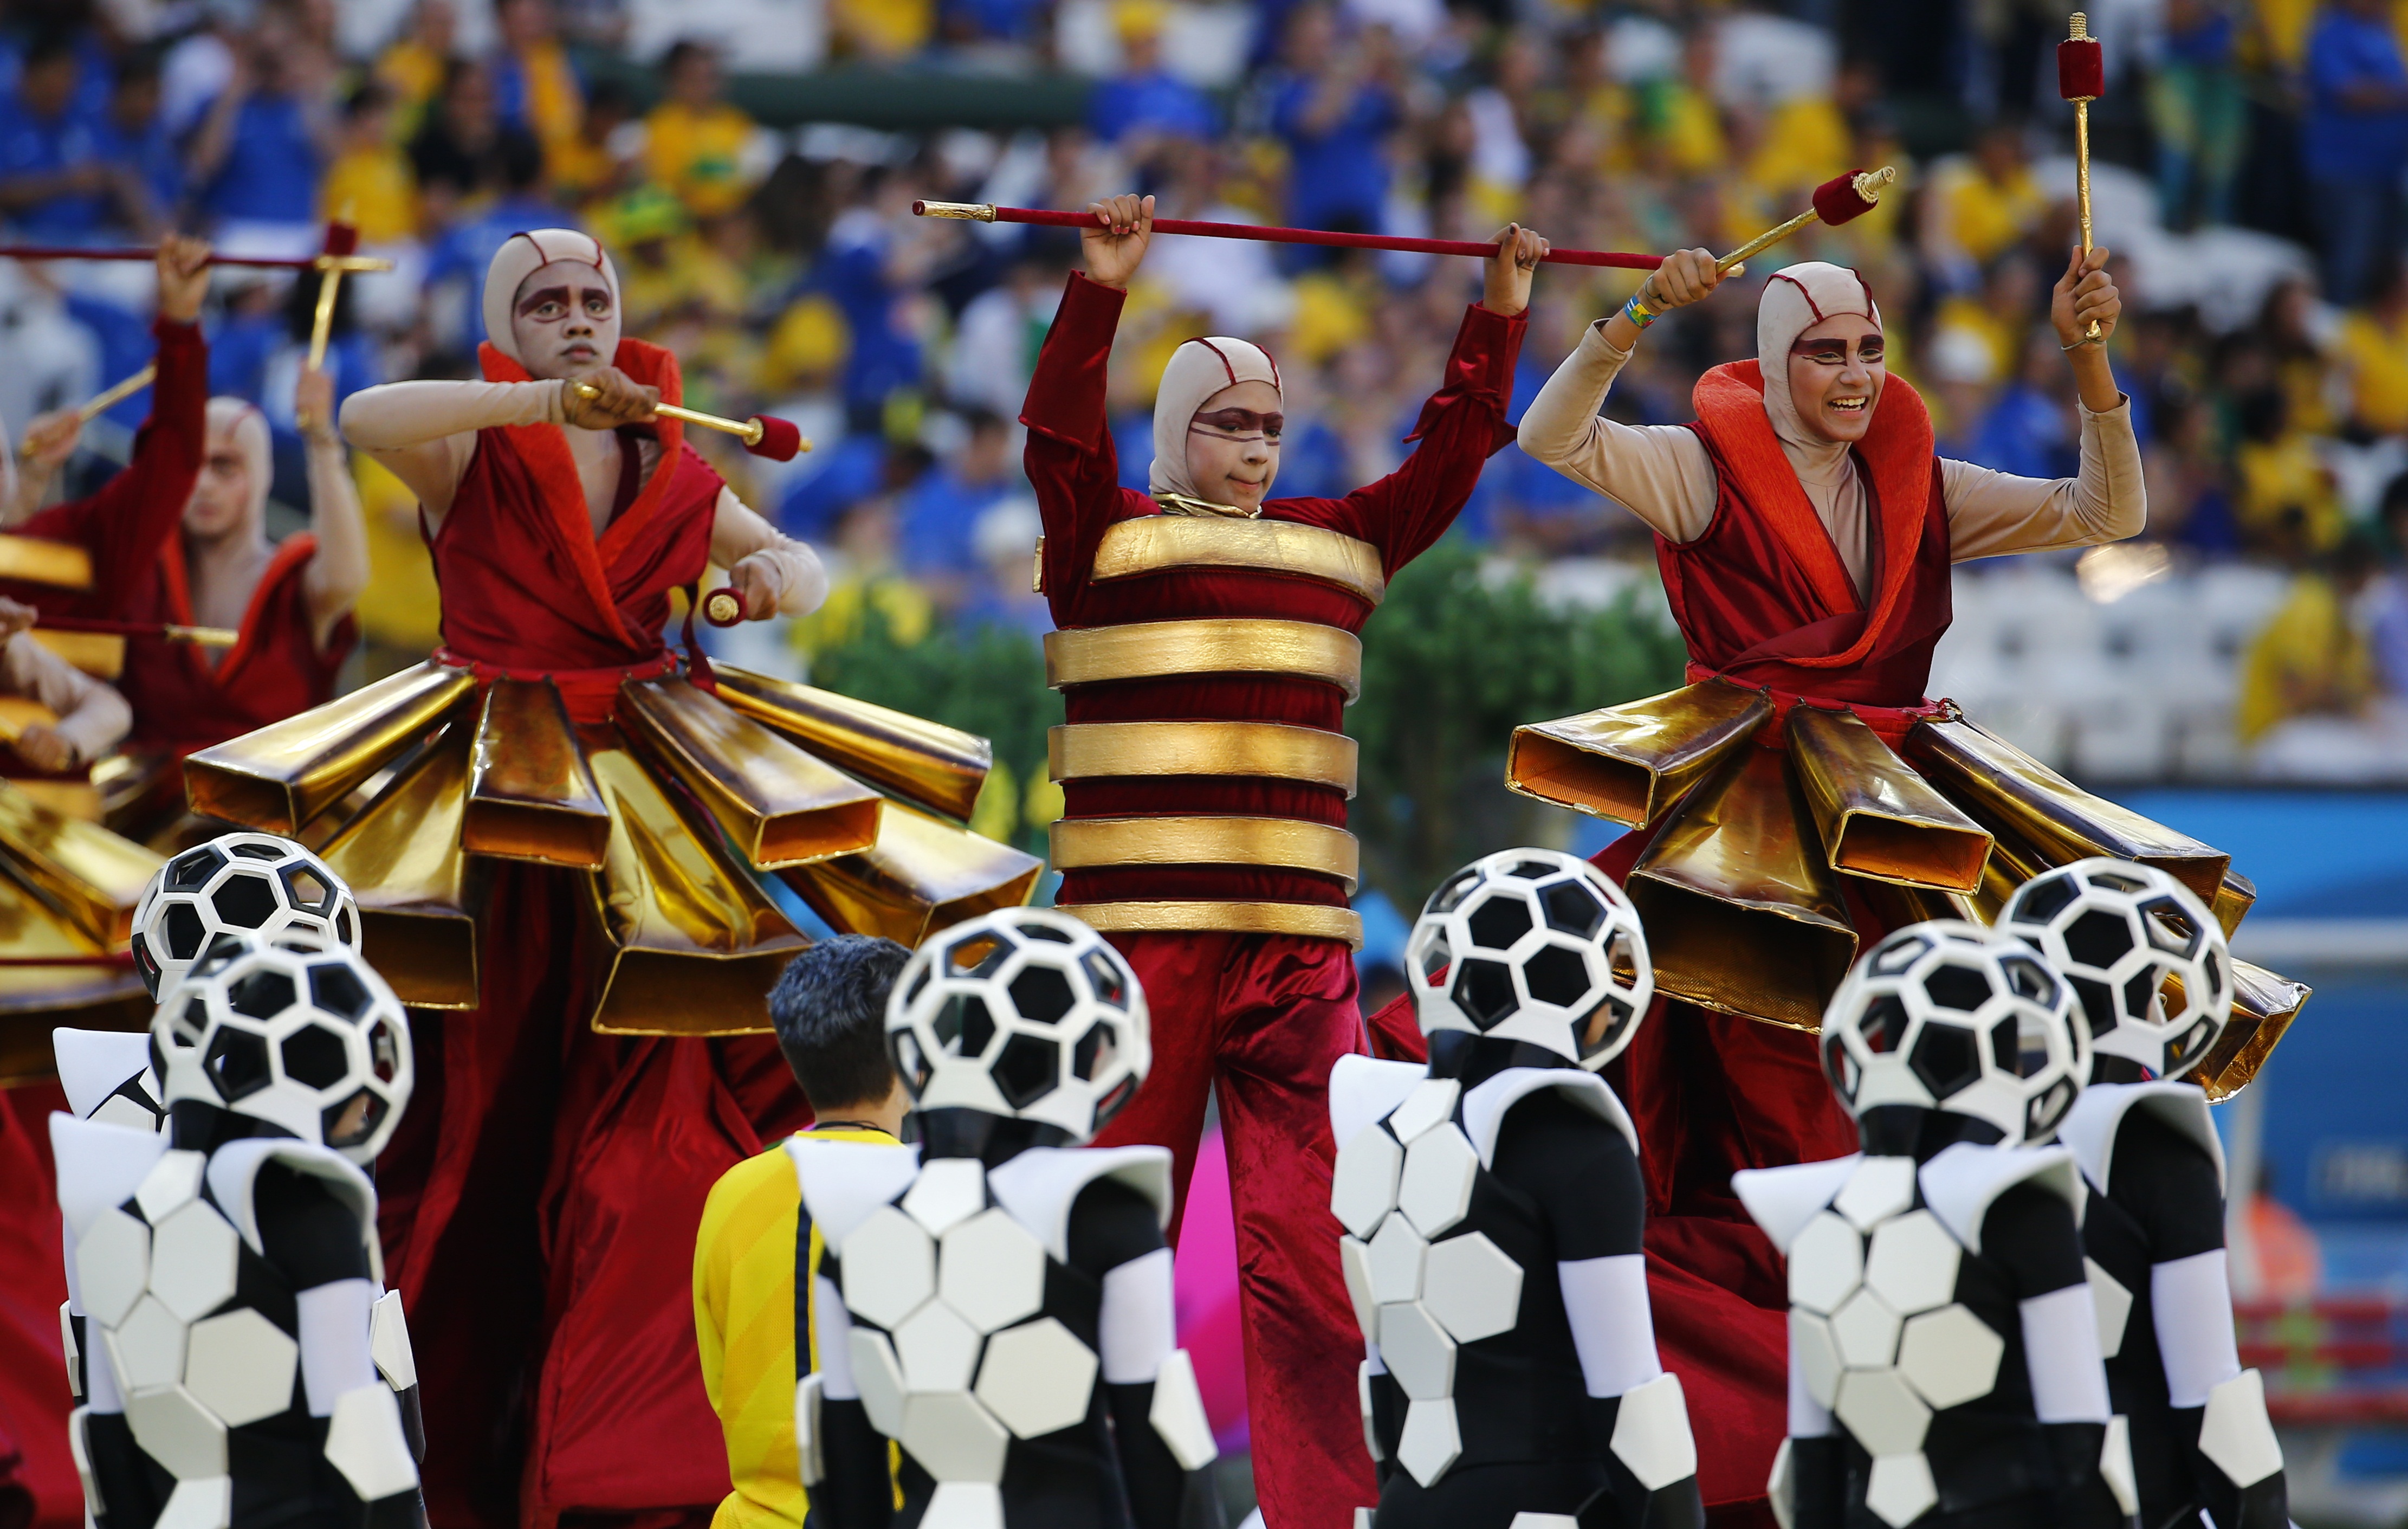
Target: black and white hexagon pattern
x: 951, y: 1349
x: 1535, y: 945
x: 1420, y: 1287
x: 1876, y: 1333
x: 302, y: 1035
x: 253, y: 885
x: 1948, y: 1016
x: 1022, y: 1012
x: 2146, y: 961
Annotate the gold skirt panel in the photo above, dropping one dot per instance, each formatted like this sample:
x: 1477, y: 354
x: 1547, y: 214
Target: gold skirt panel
x: 1081, y: 843
x: 936, y: 767
x: 778, y: 804
x: 100, y: 654
x: 1306, y: 920
x: 88, y: 876
x: 35, y: 999
x: 405, y: 862
x: 530, y: 795
x: 279, y: 777
x: 38, y: 559
x: 1151, y: 650
x: 1274, y: 750
x: 1161, y: 543
x: 924, y: 874
x: 1741, y: 888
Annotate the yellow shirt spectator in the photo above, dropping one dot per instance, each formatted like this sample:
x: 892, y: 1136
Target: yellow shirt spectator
x: 1981, y: 215
x: 1805, y: 144
x: 2374, y: 352
x: 376, y: 190
x: 2307, y: 659
x: 885, y: 29
x: 2280, y: 476
x: 401, y: 608
x: 698, y: 153
x: 745, y: 1322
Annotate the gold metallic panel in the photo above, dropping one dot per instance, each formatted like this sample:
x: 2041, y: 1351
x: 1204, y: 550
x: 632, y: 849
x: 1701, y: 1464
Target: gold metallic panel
x: 62, y: 565
x: 530, y: 796
x: 2006, y: 789
x: 1306, y: 920
x: 688, y: 943
x: 924, y: 874
x: 1150, y: 650
x: 936, y: 767
x: 78, y: 799
x: 1272, y: 749
x: 1742, y: 911
x: 2233, y: 900
x: 1083, y: 843
x: 402, y: 859
x: 1877, y: 816
x: 1629, y: 764
x: 35, y: 999
x: 1158, y: 544
x: 2264, y: 1006
x: 780, y: 806
x: 100, y: 654
x: 92, y: 877
x: 282, y: 775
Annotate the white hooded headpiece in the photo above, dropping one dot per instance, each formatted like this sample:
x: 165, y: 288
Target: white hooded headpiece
x: 1197, y: 370
x: 1795, y: 298
x: 523, y: 254
x: 242, y: 420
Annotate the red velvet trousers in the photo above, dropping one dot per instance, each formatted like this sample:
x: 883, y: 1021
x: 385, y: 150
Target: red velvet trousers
x: 37, y: 1479
x: 1263, y: 1018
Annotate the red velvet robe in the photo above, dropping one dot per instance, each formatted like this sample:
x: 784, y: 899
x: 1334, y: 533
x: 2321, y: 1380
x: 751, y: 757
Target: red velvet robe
x: 1763, y: 595
x: 541, y: 1196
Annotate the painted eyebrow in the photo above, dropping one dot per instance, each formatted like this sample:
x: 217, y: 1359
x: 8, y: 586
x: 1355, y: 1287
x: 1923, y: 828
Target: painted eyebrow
x: 536, y: 299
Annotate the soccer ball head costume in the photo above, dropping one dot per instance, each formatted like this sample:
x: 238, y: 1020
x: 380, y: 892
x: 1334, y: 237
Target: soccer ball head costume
x: 995, y: 1301
x: 2154, y: 976
x: 1944, y: 1350
x: 1493, y: 1207
x: 255, y: 884
x: 240, y: 1362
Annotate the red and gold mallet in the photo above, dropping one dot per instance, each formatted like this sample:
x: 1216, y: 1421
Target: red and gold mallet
x: 1835, y: 201
x: 723, y: 607
x: 2082, y: 78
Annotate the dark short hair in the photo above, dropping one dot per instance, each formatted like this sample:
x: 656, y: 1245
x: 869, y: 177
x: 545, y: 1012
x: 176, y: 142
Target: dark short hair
x: 829, y: 1010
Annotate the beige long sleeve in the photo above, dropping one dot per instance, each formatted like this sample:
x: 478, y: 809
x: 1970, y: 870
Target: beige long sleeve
x: 426, y: 431
x: 92, y: 716
x: 739, y: 538
x: 1662, y: 474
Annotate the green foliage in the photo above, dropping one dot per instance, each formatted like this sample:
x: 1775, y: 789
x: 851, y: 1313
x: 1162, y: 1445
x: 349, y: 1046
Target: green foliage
x: 1454, y: 660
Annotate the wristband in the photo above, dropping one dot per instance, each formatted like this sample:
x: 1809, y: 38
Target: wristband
x: 1639, y: 314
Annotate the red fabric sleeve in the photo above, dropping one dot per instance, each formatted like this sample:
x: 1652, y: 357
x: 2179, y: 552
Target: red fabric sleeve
x: 1070, y: 460
x: 130, y: 518
x: 1461, y: 428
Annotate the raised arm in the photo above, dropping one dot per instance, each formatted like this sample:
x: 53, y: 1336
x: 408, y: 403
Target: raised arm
x: 773, y: 573
x: 1070, y: 460
x: 1585, y: 1176
x: 1658, y: 472
x: 332, y: 583
x: 1149, y: 1383
x: 1990, y: 513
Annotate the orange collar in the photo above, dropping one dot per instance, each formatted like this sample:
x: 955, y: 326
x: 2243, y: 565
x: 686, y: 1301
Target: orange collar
x: 290, y: 553
x: 1896, y: 455
x: 545, y: 451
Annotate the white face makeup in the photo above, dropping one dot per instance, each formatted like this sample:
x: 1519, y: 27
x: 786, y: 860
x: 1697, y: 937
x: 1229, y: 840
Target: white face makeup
x: 1836, y: 372
x: 1233, y: 444
x: 564, y: 319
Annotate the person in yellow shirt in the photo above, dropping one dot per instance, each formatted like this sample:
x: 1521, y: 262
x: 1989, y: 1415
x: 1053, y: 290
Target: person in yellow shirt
x: 2284, y: 498
x: 829, y: 1010
x: 1980, y: 204
x: 2374, y: 350
x: 370, y: 183
x: 415, y: 67
x: 2310, y: 658
x: 693, y: 142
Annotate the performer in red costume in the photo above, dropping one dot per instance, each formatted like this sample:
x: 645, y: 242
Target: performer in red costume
x: 290, y: 600
x: 544, y: 1168
x: 1804, y: 528
x: 1207, y: 648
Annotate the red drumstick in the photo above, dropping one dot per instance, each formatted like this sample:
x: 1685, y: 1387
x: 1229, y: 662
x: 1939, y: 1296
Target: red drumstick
x: 989, y: 212
x: 346, y: 261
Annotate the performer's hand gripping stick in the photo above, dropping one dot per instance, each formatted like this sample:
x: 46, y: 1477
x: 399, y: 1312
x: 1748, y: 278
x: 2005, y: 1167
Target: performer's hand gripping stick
x: 776, y: 438
x: 107, y: 398
x: 1835, y: 201
x: 2082, y: 78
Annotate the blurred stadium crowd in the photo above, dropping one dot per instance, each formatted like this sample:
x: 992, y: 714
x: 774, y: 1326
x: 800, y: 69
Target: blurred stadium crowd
x: 2252, y: 158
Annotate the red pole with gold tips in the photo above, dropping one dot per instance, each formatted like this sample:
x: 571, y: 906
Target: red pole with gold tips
x: 2082, y: 78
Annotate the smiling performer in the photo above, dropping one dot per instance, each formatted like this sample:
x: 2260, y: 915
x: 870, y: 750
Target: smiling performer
x: 1207, y: 649
x: 1805, y: 527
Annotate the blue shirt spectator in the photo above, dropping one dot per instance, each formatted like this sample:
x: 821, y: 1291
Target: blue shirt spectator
x: 2026, y: 435
x: 940, y: 512
x: 849, y: 473
x: 53, y: 183
x: 270, y: 173
x: 2357, y: 126
x: 1144, y: 99
x: 1002, y: 21
x: 132, y: 137
x: 852, y: 272
x: 465, y: 250
x: 1338, y: 172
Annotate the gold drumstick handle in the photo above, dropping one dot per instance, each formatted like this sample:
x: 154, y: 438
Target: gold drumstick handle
x: 92, y: 407
x: 749, y: 431
x: 1763, y: 241
x: 2078, y: 30
x: 207, y: 637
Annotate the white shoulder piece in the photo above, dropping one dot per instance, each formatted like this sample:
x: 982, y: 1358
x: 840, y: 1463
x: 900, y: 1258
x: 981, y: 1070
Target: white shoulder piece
x: 234, y: 1171
x: 1364, y: 1088
x: 1960, y: 1183
x: 843, y: 1183
x: 2097, y: 1118
x: 95, y: 1064
x: 1484, y: 1107
x: 1782, y: 1199
x: 1039, y: 1187
x: 99, y: 1166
